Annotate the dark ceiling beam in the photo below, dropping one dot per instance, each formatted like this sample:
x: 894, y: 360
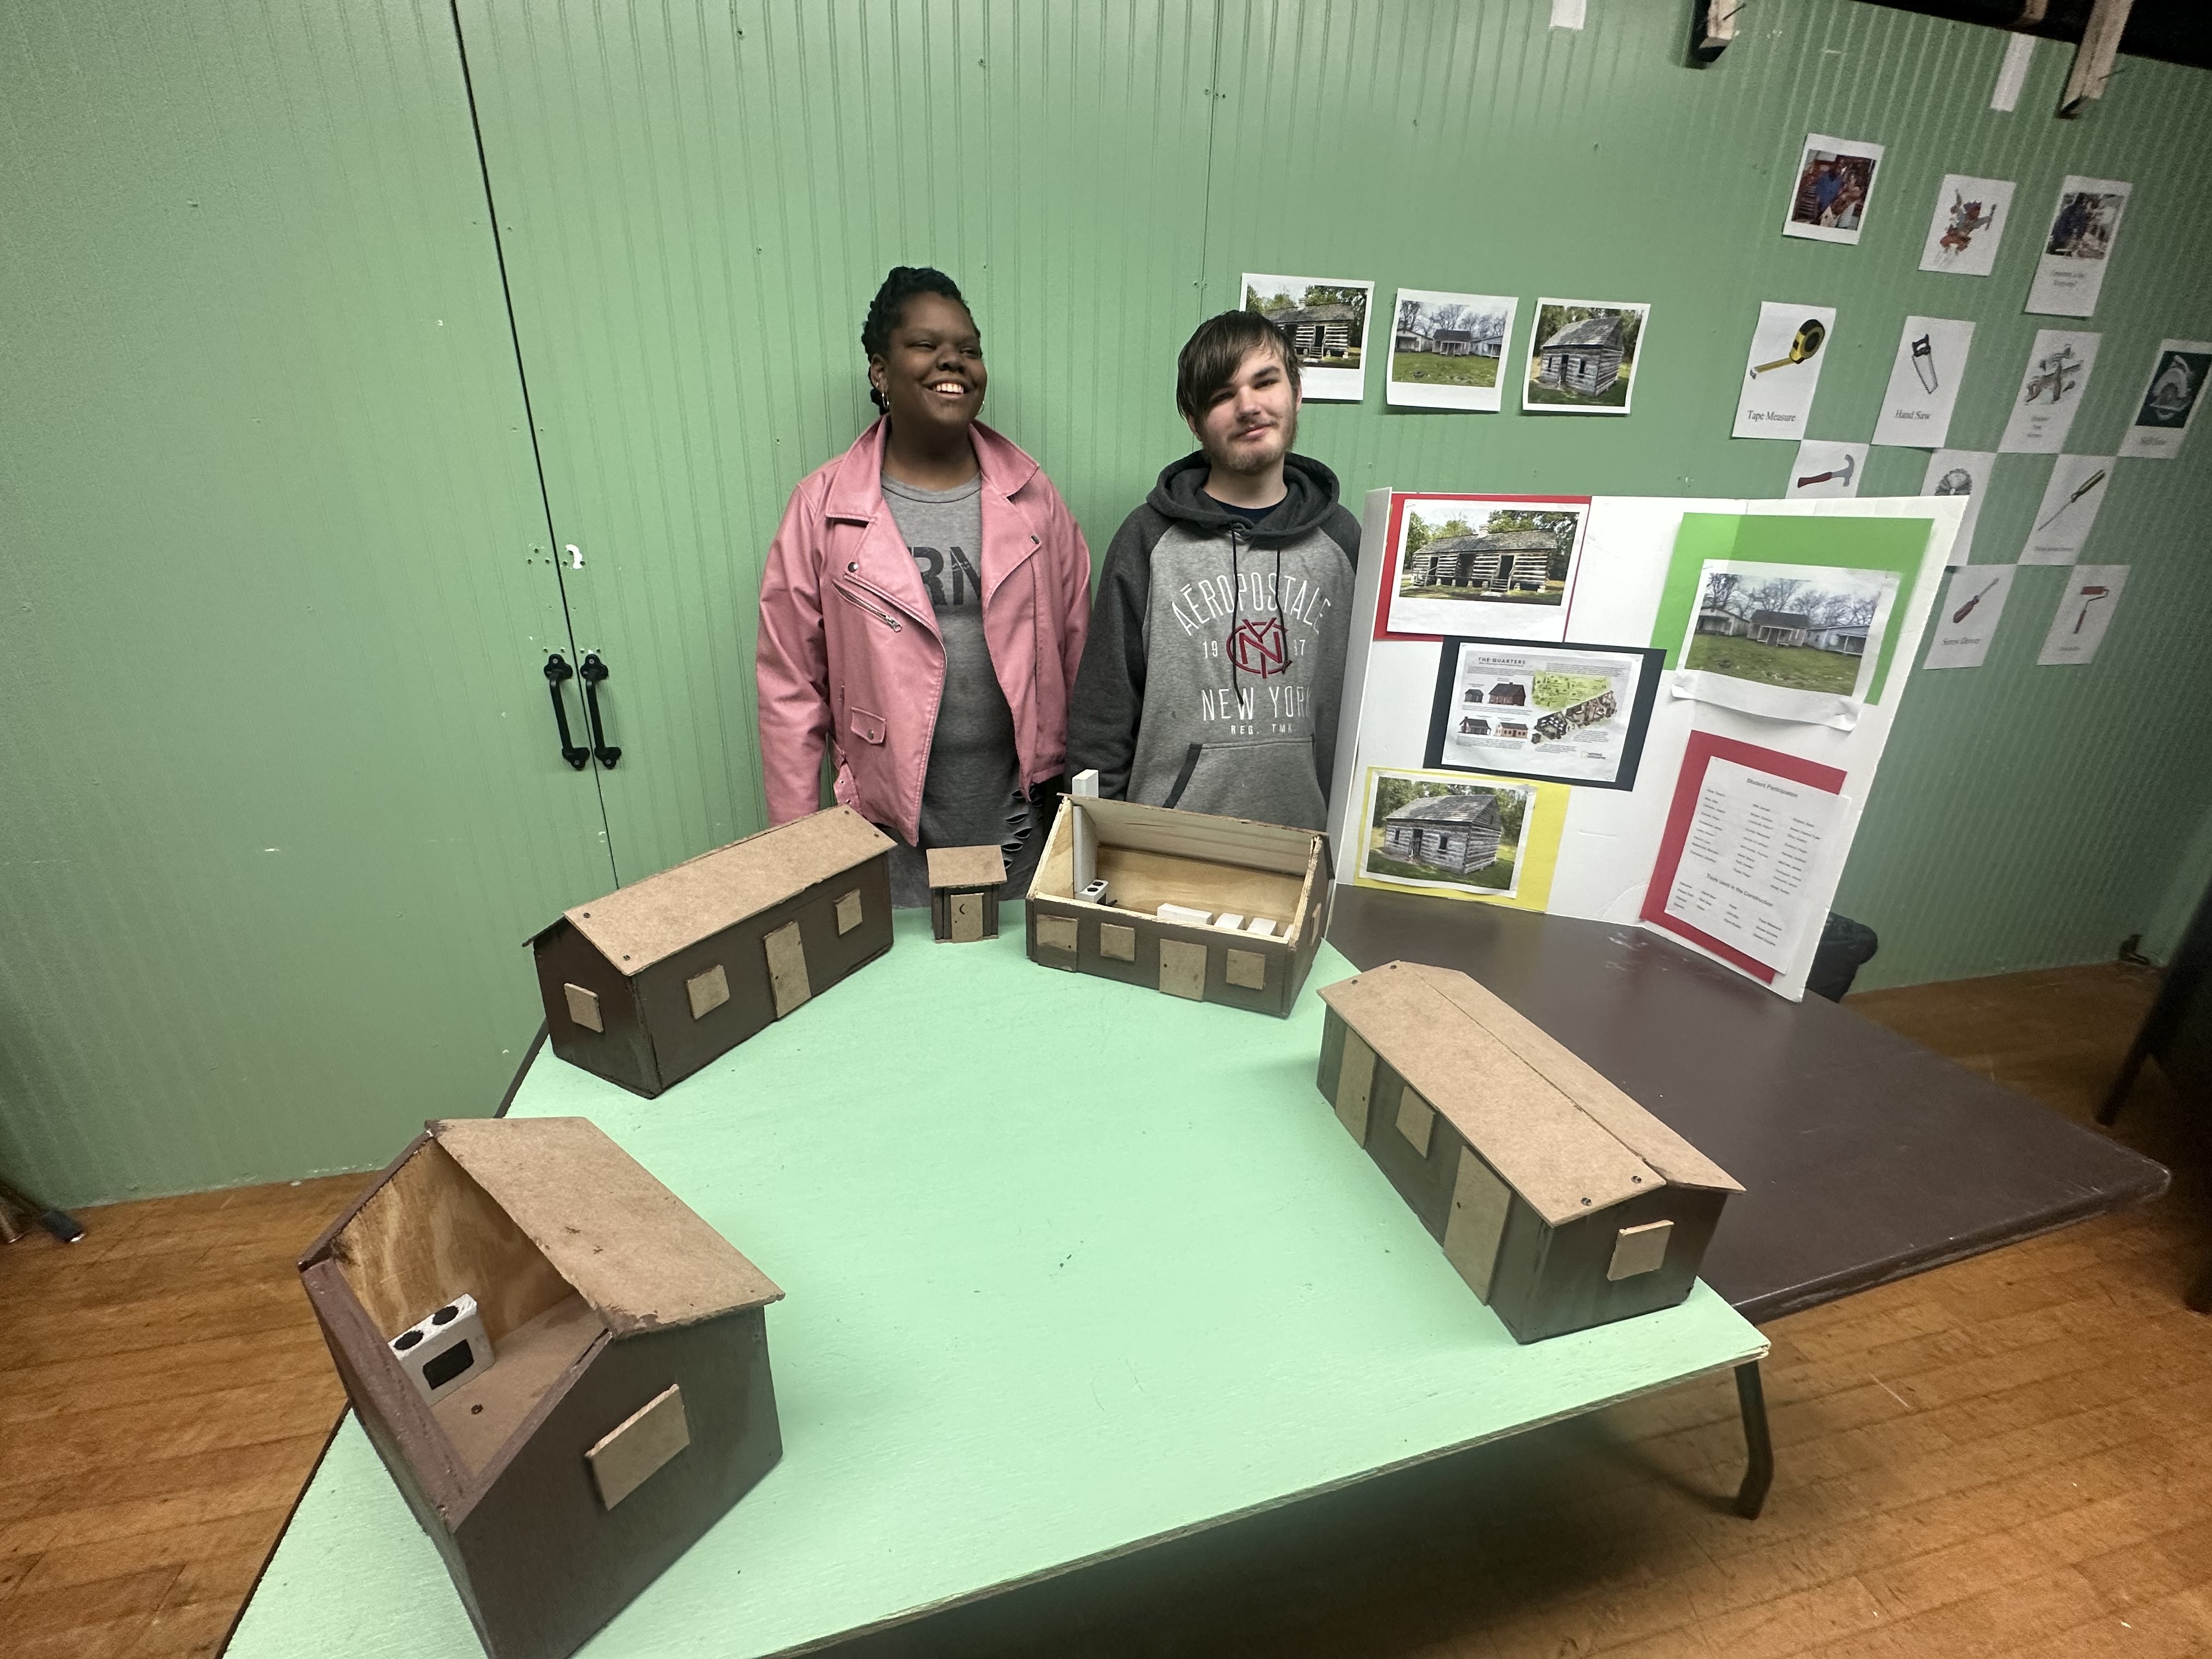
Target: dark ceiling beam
x: 2172, y: 31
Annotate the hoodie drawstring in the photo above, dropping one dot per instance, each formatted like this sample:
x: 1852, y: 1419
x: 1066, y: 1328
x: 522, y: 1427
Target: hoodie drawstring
x: 1237, y: 533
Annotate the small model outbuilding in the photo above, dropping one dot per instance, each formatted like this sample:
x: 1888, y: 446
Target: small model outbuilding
x: 627, y: 1403
x: 964, y: 887
x: 1560, y: 1201
x: 652, y: 982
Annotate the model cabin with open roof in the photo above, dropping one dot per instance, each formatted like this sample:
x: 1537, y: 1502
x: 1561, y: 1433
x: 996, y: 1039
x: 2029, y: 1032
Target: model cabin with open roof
x: 620, y: 1403
x: 1212, y: 908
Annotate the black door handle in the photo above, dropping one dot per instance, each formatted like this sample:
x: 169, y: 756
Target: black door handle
x: 556, y: 670
x: 593, y: 670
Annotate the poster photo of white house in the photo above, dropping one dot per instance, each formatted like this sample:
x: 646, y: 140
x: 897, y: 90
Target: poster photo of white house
x: 1447, y: 349
x: 1324, y: 321
x: 1485, y: 565
x: 1421, y: 831
x: 1565, y: 713
x: 1790, y: 642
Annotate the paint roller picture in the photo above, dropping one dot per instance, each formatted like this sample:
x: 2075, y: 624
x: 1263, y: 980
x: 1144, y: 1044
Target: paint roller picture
x: 2087, y: 485
x: 1810, y: 334
x: 2089, y: 593
x: 1968, y: 609
x: 1841, y: 475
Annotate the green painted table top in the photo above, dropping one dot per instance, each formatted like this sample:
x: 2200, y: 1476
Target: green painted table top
x: 1070, y: 1265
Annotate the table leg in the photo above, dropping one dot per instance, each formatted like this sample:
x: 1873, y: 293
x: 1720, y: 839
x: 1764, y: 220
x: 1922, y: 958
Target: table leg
x: 2116, y: 1096
x: 1758, y: 1471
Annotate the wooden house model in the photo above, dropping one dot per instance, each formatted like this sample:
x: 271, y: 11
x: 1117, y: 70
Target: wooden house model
x: 651, y: 982
x: 1583, y: 357
x: 964, y: 885
x: 1459, y: 833
x: 626, y: 1404
x: 1247, y: 902
x: 1560, y: 1201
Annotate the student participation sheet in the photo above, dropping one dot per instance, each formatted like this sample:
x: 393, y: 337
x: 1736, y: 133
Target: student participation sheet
x: 1755, y: 848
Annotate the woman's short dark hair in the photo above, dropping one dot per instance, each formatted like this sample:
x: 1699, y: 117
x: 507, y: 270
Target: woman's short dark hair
x: 889, y: 306
x: 1212, y: 356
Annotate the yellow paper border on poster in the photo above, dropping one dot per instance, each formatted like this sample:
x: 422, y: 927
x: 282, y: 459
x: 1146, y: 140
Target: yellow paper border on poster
x: 1538, y: 853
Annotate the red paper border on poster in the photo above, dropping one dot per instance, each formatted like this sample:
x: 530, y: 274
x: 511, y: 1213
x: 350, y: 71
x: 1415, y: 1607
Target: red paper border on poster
x: 1389, y: 582
x: 1704, y: 748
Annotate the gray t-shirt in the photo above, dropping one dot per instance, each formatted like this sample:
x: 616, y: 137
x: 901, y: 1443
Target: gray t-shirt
x: 971, y: 794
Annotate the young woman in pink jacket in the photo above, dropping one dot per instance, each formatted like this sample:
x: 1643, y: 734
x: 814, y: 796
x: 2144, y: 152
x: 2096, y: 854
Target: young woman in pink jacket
x: 923, y: 609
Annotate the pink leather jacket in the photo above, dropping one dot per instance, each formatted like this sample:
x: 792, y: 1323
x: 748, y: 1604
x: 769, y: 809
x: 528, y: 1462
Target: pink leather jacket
x: 849, y: 652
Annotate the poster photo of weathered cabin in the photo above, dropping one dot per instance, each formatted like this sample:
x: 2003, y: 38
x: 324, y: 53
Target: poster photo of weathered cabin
x: 1444, y: 834
x: 1787, y: 641
x: 1582, y: 356
x: 1570, y: 714
x: 1447, y: 349
x: 1323, y: 320
x: 1485, y: 565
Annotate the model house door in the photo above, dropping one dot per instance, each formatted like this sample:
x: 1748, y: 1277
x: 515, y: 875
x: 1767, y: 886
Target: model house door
x: 696, y: 202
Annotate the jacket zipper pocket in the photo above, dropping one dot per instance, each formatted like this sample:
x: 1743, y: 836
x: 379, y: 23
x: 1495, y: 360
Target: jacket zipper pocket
x: 883, y: 616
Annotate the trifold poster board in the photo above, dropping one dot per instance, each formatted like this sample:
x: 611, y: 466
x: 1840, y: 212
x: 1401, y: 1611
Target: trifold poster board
x: 1658, y: 711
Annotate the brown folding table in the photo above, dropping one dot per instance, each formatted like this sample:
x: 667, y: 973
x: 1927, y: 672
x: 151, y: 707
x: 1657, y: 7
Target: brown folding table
x: 1865, y: 1157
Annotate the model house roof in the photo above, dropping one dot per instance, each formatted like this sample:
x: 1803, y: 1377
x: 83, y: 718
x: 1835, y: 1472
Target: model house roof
x: 1315, y: 314
x: 639, y: 1255
x: 1506, y: 541
x: 1557, y: 1132
x: 1594, y: 332
x: 652, y: 918
x: 1780, y: 619
x: 966, y: 866
x: 1454, y: 334
x: 1477, y: 810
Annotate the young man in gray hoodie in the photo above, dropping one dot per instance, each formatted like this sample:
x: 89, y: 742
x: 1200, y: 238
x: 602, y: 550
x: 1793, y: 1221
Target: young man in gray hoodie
x: 1215, y: 659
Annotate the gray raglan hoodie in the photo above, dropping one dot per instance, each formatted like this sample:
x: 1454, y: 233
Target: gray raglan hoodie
x: 1215, y: 658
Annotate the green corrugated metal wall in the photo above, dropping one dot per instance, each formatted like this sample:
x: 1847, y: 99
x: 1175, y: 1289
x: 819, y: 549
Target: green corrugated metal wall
x: 278, y: 801
x: 271, y: 492
x: 701, y: 199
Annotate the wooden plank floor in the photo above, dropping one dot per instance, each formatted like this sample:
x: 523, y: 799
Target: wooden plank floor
x: 2004, y: 1457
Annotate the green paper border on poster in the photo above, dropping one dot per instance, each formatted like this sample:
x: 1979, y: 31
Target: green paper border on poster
x: 1851, y: 543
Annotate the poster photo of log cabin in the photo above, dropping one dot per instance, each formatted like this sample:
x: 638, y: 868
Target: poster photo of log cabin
x: 1790, y: 642
x: 1474, y: 566
x: 1324, y: 319
x: 1446, y: 349
x: 1582, y: 357
x: 1444, y: 834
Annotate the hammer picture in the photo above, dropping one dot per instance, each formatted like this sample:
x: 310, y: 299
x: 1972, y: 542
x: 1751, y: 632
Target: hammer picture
x: 1840, y: 475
